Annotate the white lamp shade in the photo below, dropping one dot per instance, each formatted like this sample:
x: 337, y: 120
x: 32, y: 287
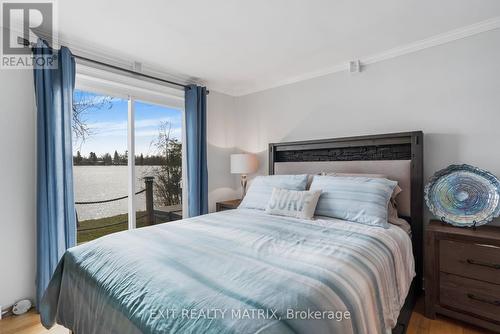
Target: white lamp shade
x: 243, y: 163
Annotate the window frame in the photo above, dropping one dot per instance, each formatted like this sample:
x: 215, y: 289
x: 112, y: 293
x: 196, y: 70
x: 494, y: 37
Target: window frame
x: 110, y: 82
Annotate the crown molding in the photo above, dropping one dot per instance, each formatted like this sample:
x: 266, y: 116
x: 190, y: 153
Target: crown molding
x: 450, y: 36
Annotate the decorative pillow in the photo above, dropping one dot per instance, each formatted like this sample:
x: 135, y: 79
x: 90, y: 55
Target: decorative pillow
x: 359, y: 199
x: 293, y: 203
x: 259, y: 192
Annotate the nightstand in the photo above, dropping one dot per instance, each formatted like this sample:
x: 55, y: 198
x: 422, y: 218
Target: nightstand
x: 227, y: 205
x: 462, y: 273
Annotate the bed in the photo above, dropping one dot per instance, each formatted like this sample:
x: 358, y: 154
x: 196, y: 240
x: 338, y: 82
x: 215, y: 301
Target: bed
x: 244, y: 271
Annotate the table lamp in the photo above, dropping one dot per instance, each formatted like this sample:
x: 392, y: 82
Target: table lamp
x: 243, y: 164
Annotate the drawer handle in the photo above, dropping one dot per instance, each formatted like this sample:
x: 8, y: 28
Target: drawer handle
x: 484, y: 264
x: 474, y: 297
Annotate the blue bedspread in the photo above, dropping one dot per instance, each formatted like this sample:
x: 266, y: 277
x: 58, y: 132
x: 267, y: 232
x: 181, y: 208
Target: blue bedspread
x: 238, y: 271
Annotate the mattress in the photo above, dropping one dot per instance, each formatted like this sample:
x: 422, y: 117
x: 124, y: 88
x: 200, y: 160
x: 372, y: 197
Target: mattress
x: 237, y: 271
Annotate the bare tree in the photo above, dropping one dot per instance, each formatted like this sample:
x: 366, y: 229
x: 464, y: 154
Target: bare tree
x: 83, y: 103
x: 168, y: 176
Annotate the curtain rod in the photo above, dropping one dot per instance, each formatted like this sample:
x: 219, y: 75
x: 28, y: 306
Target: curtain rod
x: 25, y: 42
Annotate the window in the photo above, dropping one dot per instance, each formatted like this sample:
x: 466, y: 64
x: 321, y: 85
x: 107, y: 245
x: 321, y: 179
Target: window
x: 127, y: 154
x: 158, y: 151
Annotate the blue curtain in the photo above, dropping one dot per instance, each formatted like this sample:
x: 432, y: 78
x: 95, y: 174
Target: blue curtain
x: 56, y: 218
x: 196, y: 149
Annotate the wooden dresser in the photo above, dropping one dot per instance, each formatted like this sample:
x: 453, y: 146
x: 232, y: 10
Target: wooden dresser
x: 462, y: 274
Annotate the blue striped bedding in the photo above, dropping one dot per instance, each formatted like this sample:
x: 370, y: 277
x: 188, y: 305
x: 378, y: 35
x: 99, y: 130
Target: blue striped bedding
x: 238, y: 271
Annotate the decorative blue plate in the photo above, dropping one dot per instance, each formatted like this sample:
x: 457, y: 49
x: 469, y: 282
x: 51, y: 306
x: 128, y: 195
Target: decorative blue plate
x: 464, y: 195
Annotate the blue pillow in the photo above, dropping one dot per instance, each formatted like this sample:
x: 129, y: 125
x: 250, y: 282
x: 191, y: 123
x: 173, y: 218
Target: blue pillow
x: 259, y: 193
x: 358, y: 199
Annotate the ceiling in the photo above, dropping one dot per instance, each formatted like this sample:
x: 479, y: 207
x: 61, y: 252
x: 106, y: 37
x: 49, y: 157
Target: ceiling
x: 238, y: 46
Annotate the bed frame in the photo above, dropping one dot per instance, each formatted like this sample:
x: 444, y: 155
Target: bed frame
x: 393, y: 146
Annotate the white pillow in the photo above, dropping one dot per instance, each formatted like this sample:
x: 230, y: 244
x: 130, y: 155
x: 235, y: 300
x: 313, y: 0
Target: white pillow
x: 259, y: 192
x: 293, y: 203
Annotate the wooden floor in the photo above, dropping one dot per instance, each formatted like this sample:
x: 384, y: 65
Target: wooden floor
x: 442, y: 325
x: 30, y: 324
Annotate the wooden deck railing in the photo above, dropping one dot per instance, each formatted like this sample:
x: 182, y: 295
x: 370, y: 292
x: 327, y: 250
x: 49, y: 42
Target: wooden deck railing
x: 168, y: 213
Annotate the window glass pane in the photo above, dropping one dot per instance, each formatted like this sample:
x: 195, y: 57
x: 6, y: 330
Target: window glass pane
x: 158, y: 151
x: 100, y: 164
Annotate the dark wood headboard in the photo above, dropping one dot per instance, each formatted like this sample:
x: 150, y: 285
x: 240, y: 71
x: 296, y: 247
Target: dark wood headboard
x: 393, y: 146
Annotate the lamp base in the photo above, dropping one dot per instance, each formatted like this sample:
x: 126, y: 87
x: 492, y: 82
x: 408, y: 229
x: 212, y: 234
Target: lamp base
x: 243, y: 182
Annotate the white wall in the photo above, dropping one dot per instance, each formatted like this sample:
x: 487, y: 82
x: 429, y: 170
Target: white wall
x: 220, y: 144
x: 451, y: 92
x: 17, y: 186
